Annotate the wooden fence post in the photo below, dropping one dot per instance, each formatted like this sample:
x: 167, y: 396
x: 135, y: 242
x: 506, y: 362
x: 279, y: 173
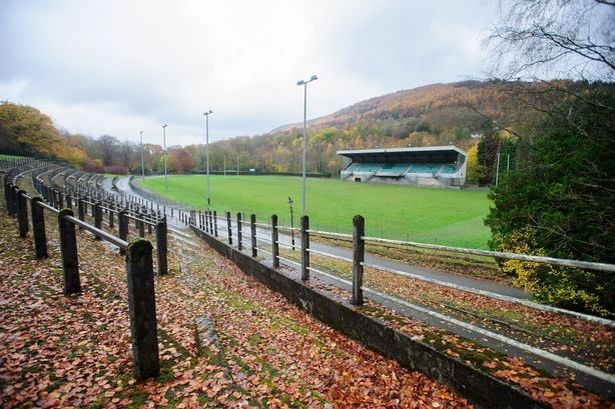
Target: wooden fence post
x: 38, y: 228
x: 161, y: 244
x: 229, y: 228
x: 275, y: 249
x: 305, y: 245
x: 239, y: 235
x: 253, y: 234
x: 68, y: 250
x: 358, y: 256
x: 142, y: 309
x: 60, y: 200
x: 22, y: 213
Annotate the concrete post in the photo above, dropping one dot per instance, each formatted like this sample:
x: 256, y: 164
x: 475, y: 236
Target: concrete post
x: 38, y: 228
x: 162, y: 246
x: 253, y: 234
x: 81, y: 210
x: 275, y: 249
x: 22, y: 213
x: 239, y: 236
x: 68, y: 250
x: 122, y: 220
x: 7, y: 195
x: 305, y: 245
x: 97, y: 210
x: 142, y: 309
x: 229, y: 228
x: 111, y: 217
x: 358, y: 256
x: 215, y: 224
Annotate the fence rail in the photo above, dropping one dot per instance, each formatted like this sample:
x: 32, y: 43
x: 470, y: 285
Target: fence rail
x: 358, y: 264
x: 139, y: 269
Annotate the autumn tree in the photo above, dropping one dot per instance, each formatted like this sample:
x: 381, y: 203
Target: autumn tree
x: 107, y: 147
x: 180, y: 160
x: 24, y: 130
x: 559, y: 203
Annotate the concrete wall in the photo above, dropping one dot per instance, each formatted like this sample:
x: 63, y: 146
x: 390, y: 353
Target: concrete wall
x: 481, y: 388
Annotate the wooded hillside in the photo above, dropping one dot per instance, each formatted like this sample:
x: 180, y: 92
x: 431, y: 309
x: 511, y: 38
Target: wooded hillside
x: 439, y: 114
x: 462, y: 113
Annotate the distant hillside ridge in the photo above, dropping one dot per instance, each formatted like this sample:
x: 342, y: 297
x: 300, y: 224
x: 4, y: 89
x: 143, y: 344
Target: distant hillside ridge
x: 458, y: 113
x: 405, y: 103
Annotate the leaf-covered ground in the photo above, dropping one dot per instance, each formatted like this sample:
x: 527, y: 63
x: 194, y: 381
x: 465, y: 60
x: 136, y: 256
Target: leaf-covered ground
x: 583, y: 341
x: 578, y: 338
x: 74, y: 351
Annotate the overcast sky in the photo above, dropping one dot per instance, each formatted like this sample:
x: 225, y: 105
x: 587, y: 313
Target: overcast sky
x: 117, y: 67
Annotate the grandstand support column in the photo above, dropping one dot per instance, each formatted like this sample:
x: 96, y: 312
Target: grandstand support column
x: 358, y: 257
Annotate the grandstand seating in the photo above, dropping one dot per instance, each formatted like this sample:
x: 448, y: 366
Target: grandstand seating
x: 448, y: 169
x: 393, y: 169
x: 385, y: 169
x: 425, y: 168
x: 438, y: 166
x: 367, y: 167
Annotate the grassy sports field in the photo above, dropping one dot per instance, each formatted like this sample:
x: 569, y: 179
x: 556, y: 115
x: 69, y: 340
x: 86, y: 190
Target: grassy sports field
x: 443, y: 216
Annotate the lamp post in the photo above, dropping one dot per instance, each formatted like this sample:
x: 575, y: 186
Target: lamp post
x: 292, y: 232
x: 141, y: 144
x: 164, y: 152
x: 207, y: 154
x: 304, y: 142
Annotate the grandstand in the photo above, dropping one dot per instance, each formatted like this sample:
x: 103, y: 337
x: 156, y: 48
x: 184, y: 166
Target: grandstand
x: 438, y: 166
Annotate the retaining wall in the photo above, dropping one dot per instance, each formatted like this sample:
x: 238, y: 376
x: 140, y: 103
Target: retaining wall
x: 481, y: 388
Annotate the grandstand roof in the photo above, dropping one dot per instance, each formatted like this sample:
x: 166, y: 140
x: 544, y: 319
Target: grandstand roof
x: 436, y: 154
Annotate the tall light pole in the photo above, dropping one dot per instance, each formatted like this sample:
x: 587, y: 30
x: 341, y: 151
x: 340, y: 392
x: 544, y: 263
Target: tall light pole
x: 164, y: 152
x: 207, y: 153
x: 304, y: 142
x: 141, y: 144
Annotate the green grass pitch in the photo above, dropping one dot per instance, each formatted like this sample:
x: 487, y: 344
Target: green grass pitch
x: 442, y: 216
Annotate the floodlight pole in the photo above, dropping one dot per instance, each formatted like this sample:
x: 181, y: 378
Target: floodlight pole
x: 304, y: 142
x: 207, y: 154
x: 141, y: 144
x: 164, y: 151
